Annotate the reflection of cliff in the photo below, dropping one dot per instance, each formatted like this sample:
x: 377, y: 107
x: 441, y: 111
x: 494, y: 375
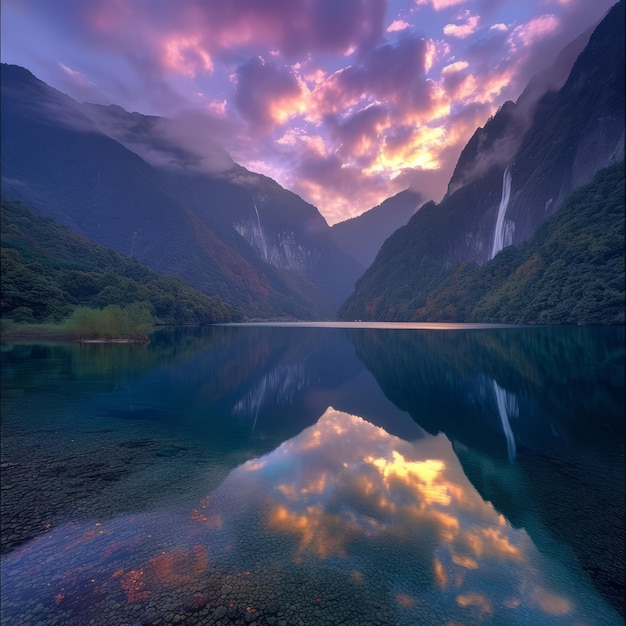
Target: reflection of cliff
x: 568, y: 385
x: 281, y: 385
x: 343, y: 523
x: 507, y: 407
x: 566, y: 378
x: 272, y: 380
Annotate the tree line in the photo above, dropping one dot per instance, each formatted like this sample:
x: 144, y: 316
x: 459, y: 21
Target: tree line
x: 51, y: 275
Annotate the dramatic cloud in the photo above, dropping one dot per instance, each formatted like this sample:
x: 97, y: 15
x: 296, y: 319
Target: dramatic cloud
x: 266, y: 94
x: 345, y: 102
x: 390, y: 73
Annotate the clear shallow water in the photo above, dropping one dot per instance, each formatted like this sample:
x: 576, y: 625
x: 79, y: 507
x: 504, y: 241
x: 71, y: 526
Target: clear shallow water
x: 286, y: 475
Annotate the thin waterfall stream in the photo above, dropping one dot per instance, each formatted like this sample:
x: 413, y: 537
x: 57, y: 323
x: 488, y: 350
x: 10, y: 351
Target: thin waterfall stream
x: 263, y: 246
x: 507, y: 404
x: 500, y: 234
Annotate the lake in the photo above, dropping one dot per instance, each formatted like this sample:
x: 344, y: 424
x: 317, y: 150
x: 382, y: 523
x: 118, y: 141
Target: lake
x: 298, y: 474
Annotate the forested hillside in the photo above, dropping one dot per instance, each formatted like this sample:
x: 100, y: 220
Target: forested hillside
x: 48, y: 271
x: 513, y: 175
x: 134, y: 189
x: 570, y: 272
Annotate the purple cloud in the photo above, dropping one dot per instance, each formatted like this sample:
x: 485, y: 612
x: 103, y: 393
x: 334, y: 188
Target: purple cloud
x: 266, y: 93
x: 342, y: 101
x: 389, y: 73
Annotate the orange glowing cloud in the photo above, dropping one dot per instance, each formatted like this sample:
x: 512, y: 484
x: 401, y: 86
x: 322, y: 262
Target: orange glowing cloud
x: 457, y: 66
x: 268, y: 94
x: 270, y: 68
x: 184, y: 54
x: 419, y: 151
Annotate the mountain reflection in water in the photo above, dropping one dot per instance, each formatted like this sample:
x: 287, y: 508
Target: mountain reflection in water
x: 342, y: 522
x: 208, y: 477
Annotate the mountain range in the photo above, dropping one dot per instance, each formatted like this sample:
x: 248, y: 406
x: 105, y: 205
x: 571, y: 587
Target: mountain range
x: 124, y: 181
x: 179, y: 203
x: 513, y: 175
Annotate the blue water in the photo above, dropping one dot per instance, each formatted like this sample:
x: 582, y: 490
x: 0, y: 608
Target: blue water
x: 316, y: 474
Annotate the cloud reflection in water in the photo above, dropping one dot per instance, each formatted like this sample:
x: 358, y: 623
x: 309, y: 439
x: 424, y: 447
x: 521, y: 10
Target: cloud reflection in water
x: 342, y: 517
x: 344, y: 486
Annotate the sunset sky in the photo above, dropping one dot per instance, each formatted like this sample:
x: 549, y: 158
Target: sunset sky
x: 345, y: 102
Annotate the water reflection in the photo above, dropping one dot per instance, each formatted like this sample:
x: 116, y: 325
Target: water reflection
x: 569, y: 377
x: 507, y: 407
x: 564, y: 430
x: 479, y: 459
x: 343, y: 523
x: 345, y: 483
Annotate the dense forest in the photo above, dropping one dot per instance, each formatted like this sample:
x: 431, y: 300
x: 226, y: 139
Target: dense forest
x: 50, y: 274
x: 570, y: 272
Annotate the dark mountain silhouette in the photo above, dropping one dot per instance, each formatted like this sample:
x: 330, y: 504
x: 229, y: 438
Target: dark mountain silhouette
x: 225, y: 230
x: 361, y: 237
x: 512, y: 176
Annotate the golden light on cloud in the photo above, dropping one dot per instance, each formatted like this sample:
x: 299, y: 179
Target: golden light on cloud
x: 420, y: 151
x: 483, y: 91
x: 285, y: 108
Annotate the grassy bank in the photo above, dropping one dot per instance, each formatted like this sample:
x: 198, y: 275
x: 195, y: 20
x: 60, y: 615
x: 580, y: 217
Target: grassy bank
x: 113, y: 323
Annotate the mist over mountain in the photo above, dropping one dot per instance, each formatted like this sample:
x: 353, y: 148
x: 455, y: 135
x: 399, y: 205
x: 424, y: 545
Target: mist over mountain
x: 161, y: 191
x: 513, y: 175
x: 133, y: 183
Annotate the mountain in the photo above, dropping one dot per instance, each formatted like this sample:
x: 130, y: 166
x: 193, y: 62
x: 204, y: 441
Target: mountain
x: 571, y: 271
x: 47, y: 271
x: 511, y: 177
x: 128, y: 182
x: 361, y: 237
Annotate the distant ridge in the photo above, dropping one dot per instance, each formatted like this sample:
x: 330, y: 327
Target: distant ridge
x: 513, y: 175
x: 225, y: 230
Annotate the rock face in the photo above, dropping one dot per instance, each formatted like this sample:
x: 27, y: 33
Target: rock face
x: 135, y: 184
x: 511, y: 177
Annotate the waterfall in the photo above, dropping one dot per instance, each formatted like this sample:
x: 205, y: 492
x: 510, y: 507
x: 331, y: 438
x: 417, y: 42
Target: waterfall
x: 263, y: 246
x: 501, y: 234
x: 281, y: 250
x: 507, y: 405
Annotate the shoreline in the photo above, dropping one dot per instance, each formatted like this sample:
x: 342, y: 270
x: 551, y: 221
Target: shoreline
x: 55, y: 337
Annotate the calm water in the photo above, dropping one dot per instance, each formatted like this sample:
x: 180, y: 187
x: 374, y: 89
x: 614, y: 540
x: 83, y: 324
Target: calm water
x: 316, y: 475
